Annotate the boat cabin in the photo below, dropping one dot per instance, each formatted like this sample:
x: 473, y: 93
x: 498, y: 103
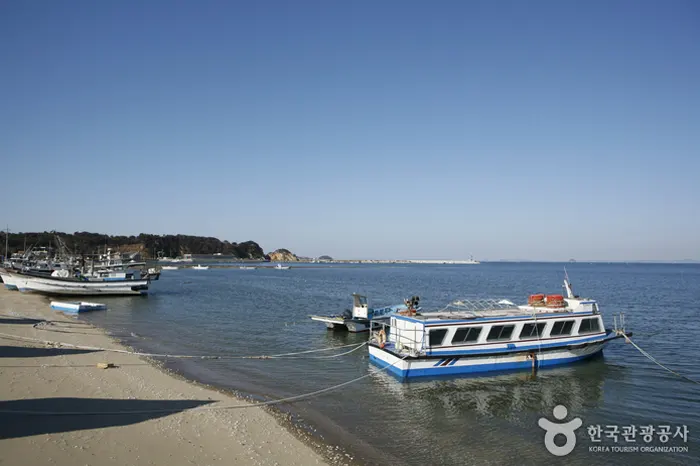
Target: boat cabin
x: 492, y: 325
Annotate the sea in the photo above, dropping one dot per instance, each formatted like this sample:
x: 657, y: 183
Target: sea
x: 624, y: 408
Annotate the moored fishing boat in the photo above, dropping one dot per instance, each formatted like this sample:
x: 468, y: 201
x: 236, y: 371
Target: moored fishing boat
x: 470, y: 337
x: 78, y: 286
x: 361, y: 317
x: 8, y: 280
x: 282, y: 267
x: 200, y: 267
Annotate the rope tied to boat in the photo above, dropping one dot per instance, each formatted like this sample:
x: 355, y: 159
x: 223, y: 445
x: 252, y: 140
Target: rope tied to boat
x: 293, y: 355
x: 208, y: 408
x: 654, y: 360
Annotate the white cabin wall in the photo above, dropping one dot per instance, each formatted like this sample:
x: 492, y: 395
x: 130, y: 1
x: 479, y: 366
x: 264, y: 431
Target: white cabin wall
x: 406, y: 333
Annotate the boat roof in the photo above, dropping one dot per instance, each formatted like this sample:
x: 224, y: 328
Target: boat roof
x: 488, y: 309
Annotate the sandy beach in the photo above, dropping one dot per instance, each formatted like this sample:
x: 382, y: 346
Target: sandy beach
x: 38, y: 377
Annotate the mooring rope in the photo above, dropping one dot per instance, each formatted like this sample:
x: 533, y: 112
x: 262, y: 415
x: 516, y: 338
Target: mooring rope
x: 205, y: 408
x: 653, y: 359
x: 188, y: 356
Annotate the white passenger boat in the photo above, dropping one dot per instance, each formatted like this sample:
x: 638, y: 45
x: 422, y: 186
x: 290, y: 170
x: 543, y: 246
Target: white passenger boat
x: 470, y: 337
x: 169, y: 267
x: 361, y: 317
x: 200, y: 267
x: 75, y: 307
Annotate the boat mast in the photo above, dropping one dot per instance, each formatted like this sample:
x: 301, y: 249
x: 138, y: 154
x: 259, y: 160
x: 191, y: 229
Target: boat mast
x: 7, y: 241
x: 567, y: 286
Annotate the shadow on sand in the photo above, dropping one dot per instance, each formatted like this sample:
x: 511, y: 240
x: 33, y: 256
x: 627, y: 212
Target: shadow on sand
x: 82, y: 413
x: 30, y: 352
x: 19, y: 320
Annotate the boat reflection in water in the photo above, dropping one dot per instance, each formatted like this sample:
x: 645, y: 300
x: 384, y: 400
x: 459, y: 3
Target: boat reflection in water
x: 502, y: 395
x: 454, y: 411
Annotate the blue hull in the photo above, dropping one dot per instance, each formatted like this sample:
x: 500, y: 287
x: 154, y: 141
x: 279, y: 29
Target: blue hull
x: 478, y: 368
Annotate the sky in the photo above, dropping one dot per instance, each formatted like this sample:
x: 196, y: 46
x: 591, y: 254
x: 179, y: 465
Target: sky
x: 390, y: 129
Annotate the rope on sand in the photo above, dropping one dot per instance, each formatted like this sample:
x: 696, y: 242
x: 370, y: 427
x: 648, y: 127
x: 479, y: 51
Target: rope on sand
x: 204, y: 408
x: 187, y: 356
x: 653, y: 359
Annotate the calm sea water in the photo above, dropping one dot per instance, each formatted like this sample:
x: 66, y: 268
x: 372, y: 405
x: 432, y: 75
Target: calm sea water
x: 484, y: 420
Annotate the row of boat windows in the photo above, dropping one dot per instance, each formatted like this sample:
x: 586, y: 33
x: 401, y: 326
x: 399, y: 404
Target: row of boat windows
x: 505, y: 332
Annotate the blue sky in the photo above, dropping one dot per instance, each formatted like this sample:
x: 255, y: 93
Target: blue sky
x: 364, y: 129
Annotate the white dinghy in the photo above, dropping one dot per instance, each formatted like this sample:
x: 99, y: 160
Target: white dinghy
x: 75, y: 307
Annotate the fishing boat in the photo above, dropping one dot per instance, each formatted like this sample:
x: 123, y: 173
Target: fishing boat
x: 153, y: 273
x: 170, y: 267
x: 76, y: 307
x: 246, y: 267
x: 471, y: 337
x: 282, y: 267
x: 78, y: 285
x: 361, y: 317
x: 200, y: 267
x: 8, y: 280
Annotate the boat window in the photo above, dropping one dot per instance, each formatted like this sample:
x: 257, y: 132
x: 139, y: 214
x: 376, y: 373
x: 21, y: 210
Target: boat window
x: 466, y: 335
x: 532, y: 330
x: 562, y: 327
x: 435, y: 337
x: 589, y: 326
x: 595, y: 308
x: 500, y: 332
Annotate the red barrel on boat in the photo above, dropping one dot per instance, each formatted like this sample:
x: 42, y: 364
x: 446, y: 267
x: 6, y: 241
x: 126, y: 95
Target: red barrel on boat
x: 536, y: 299
x: 555, y: 300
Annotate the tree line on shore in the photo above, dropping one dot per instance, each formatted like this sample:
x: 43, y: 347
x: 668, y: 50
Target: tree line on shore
x: 150, y: 246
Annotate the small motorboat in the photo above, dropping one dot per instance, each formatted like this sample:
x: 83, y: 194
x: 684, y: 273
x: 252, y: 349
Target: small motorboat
x: 362, y: 317
x: 170, y: 267
x: 75, y: 307
x: 201, y: 267
x: 282, y: 267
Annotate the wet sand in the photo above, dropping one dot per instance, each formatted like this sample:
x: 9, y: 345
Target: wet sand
x: 37, y: 377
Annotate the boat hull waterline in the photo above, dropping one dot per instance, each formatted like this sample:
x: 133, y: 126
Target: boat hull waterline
x: 451, y: 365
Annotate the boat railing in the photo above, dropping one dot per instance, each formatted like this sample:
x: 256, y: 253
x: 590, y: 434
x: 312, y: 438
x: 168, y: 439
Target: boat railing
x: 483, y: 304
x: 477, y: 307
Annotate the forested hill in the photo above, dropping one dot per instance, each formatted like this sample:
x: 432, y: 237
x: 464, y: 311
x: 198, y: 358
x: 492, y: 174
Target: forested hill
x: 149, y: 245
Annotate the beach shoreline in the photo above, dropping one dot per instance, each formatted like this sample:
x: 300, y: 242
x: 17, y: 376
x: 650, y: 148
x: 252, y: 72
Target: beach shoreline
x: 178, y: 421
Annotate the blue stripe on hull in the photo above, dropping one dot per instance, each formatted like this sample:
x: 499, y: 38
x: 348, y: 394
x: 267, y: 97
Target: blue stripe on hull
x: 477, y: 369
